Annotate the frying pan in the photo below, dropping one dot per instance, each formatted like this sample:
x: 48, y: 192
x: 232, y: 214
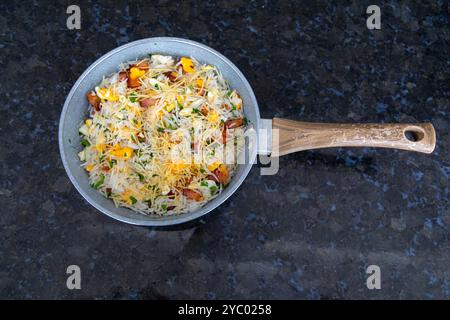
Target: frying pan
x: 276, y: 137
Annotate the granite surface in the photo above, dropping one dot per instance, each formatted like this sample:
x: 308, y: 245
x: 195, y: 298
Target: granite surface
x: 308, y: 232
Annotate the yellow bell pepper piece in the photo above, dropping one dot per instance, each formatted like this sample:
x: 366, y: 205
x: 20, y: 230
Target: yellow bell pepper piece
x: 178, y: 167
x: 170, y: 107
x: 199, y: 82
x: 107, y: 94
x: 213, y: 117
x: 125, y: 152
x: 188, y: 65
x: 100, y: 147
x: 136, y: 73
x: 213, y: 166
x: 128, y: 196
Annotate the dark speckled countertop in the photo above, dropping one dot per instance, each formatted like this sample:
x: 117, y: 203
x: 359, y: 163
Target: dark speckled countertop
x: 308, y: 232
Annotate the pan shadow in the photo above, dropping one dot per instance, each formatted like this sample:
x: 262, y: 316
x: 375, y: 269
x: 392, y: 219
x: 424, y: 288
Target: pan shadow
x: 350, y: 159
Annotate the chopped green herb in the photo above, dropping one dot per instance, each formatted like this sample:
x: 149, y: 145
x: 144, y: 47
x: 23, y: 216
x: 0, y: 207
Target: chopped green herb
x: 133, y: 138
x: 202, y: 170
x: 229, y: 92
x: 195, y: 110
x: 233, y: 107
x: 99, y: 182
x: 133, y: 200
x: 112, y: 163
x: 213, y: 189
x: 133, y: 97
x: 164, y: 206
x: 141, y: 177
x: 85, y: 143
x: 204, y: 184
x: 180, y: 106
x: 160, y: 129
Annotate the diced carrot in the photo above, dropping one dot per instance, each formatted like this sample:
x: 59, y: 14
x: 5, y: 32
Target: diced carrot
x: 171, y: 194
x: 133, y: 83
x: 234, y: 123
x: 204, y: 110
x: 211, y: 177
x: 123, y: 75
x: 171, y: 75
x: 193, y: 195
x: 222, y: 174
x: 200, y: 91
x: 224, y: 134
x: 143, y: 65
x: 147, y: 102
x: 94, y: 100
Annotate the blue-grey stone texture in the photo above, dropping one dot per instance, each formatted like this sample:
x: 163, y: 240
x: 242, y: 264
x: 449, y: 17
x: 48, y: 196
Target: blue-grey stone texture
x: 308, y: 232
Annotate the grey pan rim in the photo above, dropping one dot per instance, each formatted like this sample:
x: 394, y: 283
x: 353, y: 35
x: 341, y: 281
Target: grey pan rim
x: 182, y: 218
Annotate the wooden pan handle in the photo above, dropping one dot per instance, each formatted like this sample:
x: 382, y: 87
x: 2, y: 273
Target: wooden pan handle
x: 296, y: 136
